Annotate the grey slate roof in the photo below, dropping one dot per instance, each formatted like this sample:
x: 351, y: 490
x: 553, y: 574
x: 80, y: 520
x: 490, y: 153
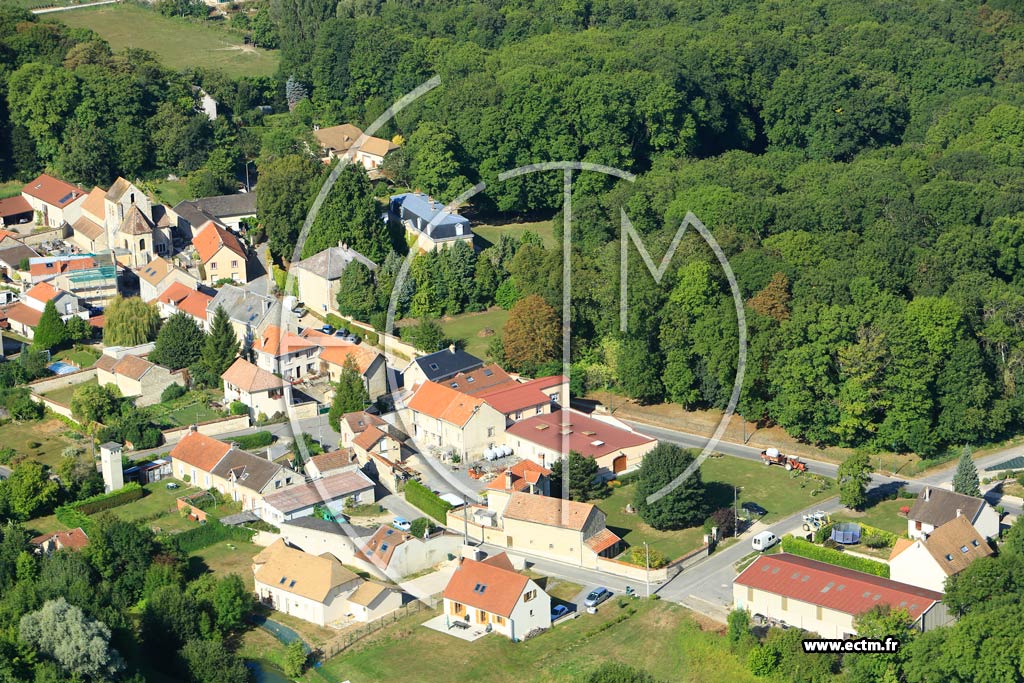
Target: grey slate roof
x: 198, y: 211
x: 420, y: 210
x: 251, y: 471
x: 12, y: 256
x: 331, y: 262
x: 941, y: 506
x: 243, y: 305
x: 447, y: 363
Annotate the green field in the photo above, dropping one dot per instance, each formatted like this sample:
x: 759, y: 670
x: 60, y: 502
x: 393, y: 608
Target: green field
x: 883, y: 515
x: 466, y: 327
x: 660, y: 637
x: 543, y: 229
x: 170, y: 192
x: 774, y: 489
x: 10, y: 188
x: 177, y: 43
x: 51, y: 435
x: 233, y: 557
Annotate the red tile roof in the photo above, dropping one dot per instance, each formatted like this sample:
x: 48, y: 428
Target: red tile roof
x: 336, y: 350
x: 381, y: 546
x: 444, y: 403
x: 251, y: 378
x: 486, y: 586
x: 211, y: 237
x: 12, y: 206
x: 481, y: 380
x: 62, y: 266
x: 325, y: 462
x: 322, y: 490
x: 510, y: 400
x: 557, y: 512
x: 602, y: 540
x: 52, y: 191
x: 359, y: 420
x: 186, y: 299
x: 43, y: 292
x: 587, y: 436
x: 200, y: 451
x: 277, y: 342
x: 369, y: 437
x: 831, y: 587
x: 74, y: 539
x: 20, y: 313
x: 524, y: 473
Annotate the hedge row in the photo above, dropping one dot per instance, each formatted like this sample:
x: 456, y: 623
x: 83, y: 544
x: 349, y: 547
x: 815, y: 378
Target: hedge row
x: 888, y: 536
x: 104, y: 501
x: 206, y: 535
x: 71, y: 518
x: 798, y: 546
x: 426, y: 500
x: 254, y: 440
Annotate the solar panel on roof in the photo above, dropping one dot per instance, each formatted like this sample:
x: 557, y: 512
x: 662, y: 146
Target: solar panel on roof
x: 488, y: 372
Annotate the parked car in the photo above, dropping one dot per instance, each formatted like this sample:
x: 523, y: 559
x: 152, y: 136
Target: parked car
x: 597, y: 596
x: 327, y: 329
x: 341, y: 333
x: 558, y: 611
x: 764, y: 540
x: 401, y: 524
x: 754, y: 508
x: 299, y: 311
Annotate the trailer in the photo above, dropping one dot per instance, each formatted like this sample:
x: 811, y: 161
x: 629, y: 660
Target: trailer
x: 772, y: 456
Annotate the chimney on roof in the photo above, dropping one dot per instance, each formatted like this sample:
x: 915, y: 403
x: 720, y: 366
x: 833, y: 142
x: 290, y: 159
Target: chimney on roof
x: 451, y: 348
x: 193, y: 428
x: 508, y: 478
x: 959, y: 512
x: 927, y: 494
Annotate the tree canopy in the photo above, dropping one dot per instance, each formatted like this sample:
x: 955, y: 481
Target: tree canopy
x: 129, y: 322
x: 681, y: 507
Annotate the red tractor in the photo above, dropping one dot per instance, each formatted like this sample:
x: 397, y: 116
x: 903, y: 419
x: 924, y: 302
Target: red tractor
x: 772, y: 456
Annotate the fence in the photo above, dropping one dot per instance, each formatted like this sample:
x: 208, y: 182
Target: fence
x: 223, y: 425
x: 352, y: 636
x: 47, y: 384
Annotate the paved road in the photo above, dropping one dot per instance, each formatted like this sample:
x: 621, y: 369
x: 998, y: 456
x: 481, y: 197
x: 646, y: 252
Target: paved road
x: 50, y: 10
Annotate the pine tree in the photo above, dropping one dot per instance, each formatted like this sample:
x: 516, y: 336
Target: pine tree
x: 219, y: 350
x: 965, y: 480
x: 51, y: 330
x: 294, y: 92
x: 179, y: 343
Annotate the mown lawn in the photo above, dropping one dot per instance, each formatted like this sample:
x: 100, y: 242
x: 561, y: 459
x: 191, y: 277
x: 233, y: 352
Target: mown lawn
x: 50, y: 435
x: 10, y: 188
x: 883, y: 515
x: 468, y: 325
x: 64, y: 394
x: 634, y: 531
x: 543, y: 229
x: 83, y: 357
x: 192, y: 407
x: 170, y: 192
x: 177, y: 43
x: 660, y: 637
x: 226, y: 557
x: 157, y: 503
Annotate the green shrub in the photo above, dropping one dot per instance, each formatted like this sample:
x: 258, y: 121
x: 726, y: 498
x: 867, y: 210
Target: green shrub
x: 239, y: 408
x: 172, y: 392
x: 798, y: 546
x: 255, y: 440
x: 426, y: 500
x: 206, y: 535
x: 823, y: 533
x: 880, y: 537
x: 104, y: 501
x: 71, y: 518
x: 628, y: 477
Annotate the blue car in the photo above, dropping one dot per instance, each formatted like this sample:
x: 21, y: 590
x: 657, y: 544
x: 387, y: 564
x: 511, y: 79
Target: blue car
x: 401, y: 524
x: 558, y: 611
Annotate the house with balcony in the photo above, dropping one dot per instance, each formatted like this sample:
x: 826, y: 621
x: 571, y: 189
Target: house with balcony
x: 286, y: 354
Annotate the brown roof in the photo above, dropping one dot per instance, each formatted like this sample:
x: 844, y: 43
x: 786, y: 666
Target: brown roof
x: 368, y: 438
x: 200, y: 451
x: 118, y: 189
x: 278, y: 342
x: 485, y: 586
x: 510, y: 400
x: 94, y: 203
x: 43, y: 292
x: 294, y: 571
x: 12, y: 206
x: 338, y: 138
x: 836, y: 588
x: 250, y: 378
x: 325, y: 462
x: 587, y: 436
x: 319, y: 491
x: 246, y: 469
x: 937, y: 506
x: 565, y: 514
x: 135, y: 222
x: 20, y: 313
x: 381, y: 546
x: 155, y: 271
x: 900, y: 545
x: 481, y: 380
x: 52, y: 191
x: 367, y: 593
x: 133, y: 367
x: 105, y: 362
x: 524, y: 473
x: 87, y: 227
x: 336, y: 351
x: 444, y: 403
x: 377, y: 146
x: 74, y: 539
x: 602, y: 540
x: 955, y: 545
x: 211, y: 237
x: 358, y: 421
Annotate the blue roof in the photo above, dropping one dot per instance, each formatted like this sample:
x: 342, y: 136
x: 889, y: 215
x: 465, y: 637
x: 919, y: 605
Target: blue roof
x: 411, y: 206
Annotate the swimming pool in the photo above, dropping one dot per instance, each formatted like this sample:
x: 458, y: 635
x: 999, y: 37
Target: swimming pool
x: 62, y: 368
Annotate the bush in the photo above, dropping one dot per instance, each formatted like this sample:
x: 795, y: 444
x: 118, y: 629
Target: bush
x: 255, y: 440
x: 420, y: 527
x: 880, y: 537
x: 628, y: 477
x: 823, y: 533
x: 798, y: 546
x: 239, y: 408
x: 638, y: 555
x: 172, y: 392
x: 104, y: 501
x: 206, y: 535
x: 426, y: 500
x: 34, y: 444
x: 71, y: 518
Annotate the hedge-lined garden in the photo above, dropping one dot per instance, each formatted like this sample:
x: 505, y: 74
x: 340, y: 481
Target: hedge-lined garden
x: 206, y: 535
x: 798, y: 546
x: 426, y: 500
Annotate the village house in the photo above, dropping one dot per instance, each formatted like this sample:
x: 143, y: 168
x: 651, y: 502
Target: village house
x: 285, y: 353
x: 326, y: 464
x: 54, y: 201
x: 430, y: 223
x: 934, y: 507
x: 159, y: 274
x: 227, y: 211
x: 221, y: 254
x: 337, y: 141
x: 451, y: 422
x: 310, y: 587
x: 373, y: 600
x: 241, y: 476
x: 15, y: 211
x: 929, y: 560
x: 535, y: 397
x: 332, y: 492
x: 440, y: 366
x: 354, y: 423
x: 249, y: 312
x: 74, y: 539
x: 179, y: 297
x: 615, y: 448
x: 825, y: 599
x: 397, y: 554
x: 39, y: 295
x: 491, y: 594
x: 318, y: 276
x: 490, y: 377
x: 93, y: 287
x: 526, y: 476
x: 13, y: 256
x: 136, y: 377
x: 335, y: 352
x: 264, y: 393
x: 46, y: 268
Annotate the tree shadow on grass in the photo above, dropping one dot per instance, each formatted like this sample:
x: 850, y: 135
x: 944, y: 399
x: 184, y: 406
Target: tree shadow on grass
x: 196, y: 567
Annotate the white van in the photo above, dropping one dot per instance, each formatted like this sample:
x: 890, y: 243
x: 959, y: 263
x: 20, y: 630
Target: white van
x: 764, y: 540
